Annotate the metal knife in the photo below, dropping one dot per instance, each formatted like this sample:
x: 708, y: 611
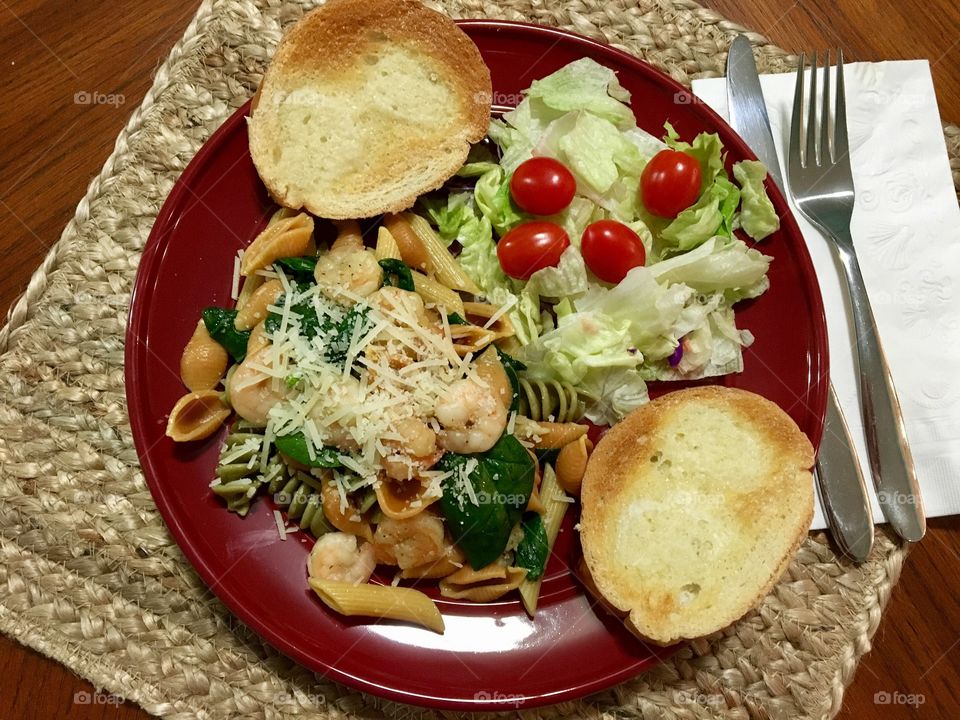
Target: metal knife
x: 843, y: 490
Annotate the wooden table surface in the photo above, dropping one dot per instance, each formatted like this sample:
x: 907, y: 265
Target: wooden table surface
x: 54, y: 54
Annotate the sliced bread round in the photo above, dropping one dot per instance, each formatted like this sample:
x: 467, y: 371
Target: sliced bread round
x: 366, y: 105
x: 692, y: 508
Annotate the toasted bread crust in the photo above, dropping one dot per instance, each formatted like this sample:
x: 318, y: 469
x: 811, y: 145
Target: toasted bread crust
x: 616, y: 469
x: 328, y: 42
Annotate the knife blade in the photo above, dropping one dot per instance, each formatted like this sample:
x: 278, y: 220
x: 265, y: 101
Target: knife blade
x: 748, y: 111
x: 839, y: 476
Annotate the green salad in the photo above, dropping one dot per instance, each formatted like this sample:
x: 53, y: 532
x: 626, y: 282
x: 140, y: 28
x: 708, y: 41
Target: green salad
x: 616, y: 251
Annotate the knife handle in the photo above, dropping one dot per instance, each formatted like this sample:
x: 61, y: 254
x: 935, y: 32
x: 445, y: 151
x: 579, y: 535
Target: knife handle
x: 894, y: 474
x: 843, y: 490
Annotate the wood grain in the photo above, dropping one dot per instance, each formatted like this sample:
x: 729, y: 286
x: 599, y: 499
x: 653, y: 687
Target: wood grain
x: 53, y: 143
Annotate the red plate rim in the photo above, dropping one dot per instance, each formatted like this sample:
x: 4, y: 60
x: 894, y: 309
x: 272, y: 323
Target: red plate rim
x: 153, y: 255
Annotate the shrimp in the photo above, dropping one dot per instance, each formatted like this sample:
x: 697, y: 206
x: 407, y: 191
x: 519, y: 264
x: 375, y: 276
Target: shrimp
x: 405, y: 304
x: 416, y: 449
x: 474, y: 413
x: 338, y: 401
x: 341, y: 557
x: 251, y: 390
x: 348, y: 266
x: 409, y: 542
x: 473, y: 417
x: 416, y: 437
x: 403, y: 308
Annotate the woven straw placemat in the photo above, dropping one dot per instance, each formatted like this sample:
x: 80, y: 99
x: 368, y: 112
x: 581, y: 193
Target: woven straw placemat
x: 89, y: 574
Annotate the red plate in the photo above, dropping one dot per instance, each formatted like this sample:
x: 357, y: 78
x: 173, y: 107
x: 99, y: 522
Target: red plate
x: 492, y: 656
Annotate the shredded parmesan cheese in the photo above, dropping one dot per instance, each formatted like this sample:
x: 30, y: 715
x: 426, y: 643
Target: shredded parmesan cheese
x: 398, y: 366
x: 235, y: 283
x: 501, y: 311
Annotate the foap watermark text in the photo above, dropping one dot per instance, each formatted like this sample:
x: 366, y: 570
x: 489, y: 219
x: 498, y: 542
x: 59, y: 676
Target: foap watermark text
x: 86, y: 97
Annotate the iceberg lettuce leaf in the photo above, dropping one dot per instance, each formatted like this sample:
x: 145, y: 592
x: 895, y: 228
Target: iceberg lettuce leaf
x: 568, y: 279
x: 492, y: 196
x: 719, y: 264
x: 757, y: 215
x: 586, y: 85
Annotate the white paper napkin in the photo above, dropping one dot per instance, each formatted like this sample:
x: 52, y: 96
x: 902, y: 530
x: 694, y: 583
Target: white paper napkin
x: 906, y: 229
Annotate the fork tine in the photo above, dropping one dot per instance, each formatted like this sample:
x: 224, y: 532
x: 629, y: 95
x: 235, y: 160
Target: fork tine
x: 826, y: 154
x: 796, y: 135
x: 840, y: 144
x: 811, y: 156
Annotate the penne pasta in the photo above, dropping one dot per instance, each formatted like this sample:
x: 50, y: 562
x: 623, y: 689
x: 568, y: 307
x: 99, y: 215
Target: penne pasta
x: 379, y: 601
x: 440, y: 261
x: 470, y: 339
x: 555, y: 507
x: 489, y: 317
x: 387, y: 247
x: 510, y: 345
x: 433, y: 292
x: 534, y: 504
x: 545, y: 435
x: 412, y: 251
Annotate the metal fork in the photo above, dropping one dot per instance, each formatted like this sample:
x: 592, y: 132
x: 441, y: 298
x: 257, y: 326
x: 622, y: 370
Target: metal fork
x: 818, y: 169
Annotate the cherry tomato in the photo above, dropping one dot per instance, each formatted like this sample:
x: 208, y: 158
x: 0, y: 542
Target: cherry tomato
x: 611, y: 249
x: 542, y: 186
x: 670, y: 183
x: 530, y: 247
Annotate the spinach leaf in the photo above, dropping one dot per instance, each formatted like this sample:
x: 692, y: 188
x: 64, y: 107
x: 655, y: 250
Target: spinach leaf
x: 335, y: 334
x: 512, y: 367
x: 502, y: 481
x: 338, y: 340
x: 311, y: 324
x: 533, y: 549
x: 397, y: 274
x: 219, y: 322
x: 456, y: 319
x: 294, y: 446
x: 300, y: 267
